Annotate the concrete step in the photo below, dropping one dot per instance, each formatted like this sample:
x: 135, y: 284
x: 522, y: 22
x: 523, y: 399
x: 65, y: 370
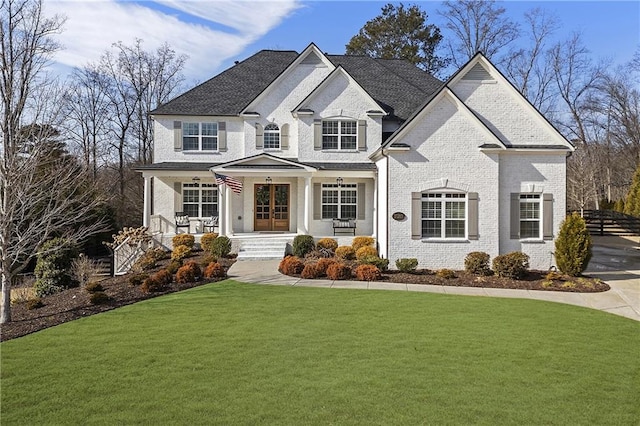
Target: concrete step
x: 262, y: 249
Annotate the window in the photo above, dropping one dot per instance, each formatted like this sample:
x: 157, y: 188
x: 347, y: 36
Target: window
x: 529, y: 215
x: 339, y: 134
x: 444, y: 215
x: 271, y: 137
x: 200, y: 200
x: 339, y: 201
x: 199, y: 136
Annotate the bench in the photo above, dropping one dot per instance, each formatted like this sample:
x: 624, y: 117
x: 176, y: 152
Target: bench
x: 344, y: 225
x: 182, y: 221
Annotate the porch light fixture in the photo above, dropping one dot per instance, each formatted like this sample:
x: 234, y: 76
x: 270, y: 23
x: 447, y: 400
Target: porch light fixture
x: 196, y: 179
x: 269, y: 180
x: 339, y: 181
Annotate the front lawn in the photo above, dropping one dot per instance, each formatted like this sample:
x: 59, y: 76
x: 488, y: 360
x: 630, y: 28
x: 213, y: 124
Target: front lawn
x: 233, y: 353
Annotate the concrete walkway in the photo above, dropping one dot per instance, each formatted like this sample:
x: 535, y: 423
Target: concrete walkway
x: 623, y: 299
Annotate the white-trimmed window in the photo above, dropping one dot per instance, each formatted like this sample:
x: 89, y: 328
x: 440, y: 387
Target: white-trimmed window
x: 444, y: 215
x: 200, y: 200
x: 271, y: 136
x: 530, y: 216
x: 199, y: 136
x: 340, y: 134
x: 339, y: 201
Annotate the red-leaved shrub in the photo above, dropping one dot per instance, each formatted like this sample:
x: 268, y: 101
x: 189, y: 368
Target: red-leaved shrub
x: 291, y: 265
x: 188, y: 273
x: 323, y: 264
x: 338, y: 271
x: 214, y: 270
x: 367, y: 273
x: 310, y: 271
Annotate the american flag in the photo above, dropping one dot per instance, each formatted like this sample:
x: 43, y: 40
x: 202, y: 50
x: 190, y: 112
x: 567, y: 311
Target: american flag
x: 234, y: 184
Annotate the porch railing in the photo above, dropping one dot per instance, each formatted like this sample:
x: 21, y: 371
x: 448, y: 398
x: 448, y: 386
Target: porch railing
x: 127, y: 253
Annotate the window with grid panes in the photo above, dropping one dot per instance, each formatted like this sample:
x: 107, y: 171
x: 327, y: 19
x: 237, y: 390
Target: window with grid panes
x: 530, y: 216
x: 271, y: 137
x: 444, y: 215
x: 199, y: 136
x: 200, y: 200
x: 339, y: 201
x: 340, y: 134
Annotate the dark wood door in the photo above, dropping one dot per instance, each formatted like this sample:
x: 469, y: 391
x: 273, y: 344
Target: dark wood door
x: 272, y: 208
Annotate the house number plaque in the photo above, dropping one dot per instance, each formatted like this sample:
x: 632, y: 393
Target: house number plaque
x: 399, y: 216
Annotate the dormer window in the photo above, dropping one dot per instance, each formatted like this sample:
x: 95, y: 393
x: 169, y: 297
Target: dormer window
x: 340, y: 134
x: 271, y: 136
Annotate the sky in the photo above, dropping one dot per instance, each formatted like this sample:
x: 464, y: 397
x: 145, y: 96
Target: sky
x: 214, y: 34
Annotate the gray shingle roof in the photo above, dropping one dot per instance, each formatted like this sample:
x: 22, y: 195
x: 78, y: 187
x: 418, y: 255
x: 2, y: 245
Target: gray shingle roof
x: 396, y: 84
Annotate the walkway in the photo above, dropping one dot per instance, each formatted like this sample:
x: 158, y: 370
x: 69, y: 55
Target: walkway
x: 623, y: 299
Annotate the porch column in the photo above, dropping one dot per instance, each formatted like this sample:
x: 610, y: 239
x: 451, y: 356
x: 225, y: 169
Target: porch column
x: 375, y: 207
x: 222, y: 220
x: 307, y: 203
x: 227, y: 211
x: 146, y: 215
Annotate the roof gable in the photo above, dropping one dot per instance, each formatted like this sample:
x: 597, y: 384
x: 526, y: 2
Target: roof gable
x: 310, y: 56
x: 480, y: 70
x: 261, y: 162
x: 327, y: 82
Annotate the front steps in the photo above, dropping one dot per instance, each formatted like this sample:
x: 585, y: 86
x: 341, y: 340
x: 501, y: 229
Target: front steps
x: 263, y: 248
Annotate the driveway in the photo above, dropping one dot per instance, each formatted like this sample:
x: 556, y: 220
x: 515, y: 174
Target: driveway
x: 616, y: 260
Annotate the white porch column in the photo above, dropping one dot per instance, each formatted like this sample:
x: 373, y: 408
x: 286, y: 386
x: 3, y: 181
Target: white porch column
x: 307, y: 203
x: 375, y: 207
x: 228, y: 219
x: 146, y: 215
x: 222, y: 200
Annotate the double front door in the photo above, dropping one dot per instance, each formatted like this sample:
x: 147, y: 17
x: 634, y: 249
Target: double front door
x: 272, y: 208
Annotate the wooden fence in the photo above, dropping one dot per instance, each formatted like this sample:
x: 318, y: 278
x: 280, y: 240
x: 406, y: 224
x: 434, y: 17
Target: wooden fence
x: 609, y: 222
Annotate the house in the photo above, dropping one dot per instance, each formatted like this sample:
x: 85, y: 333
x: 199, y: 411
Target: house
x: 431, y: 169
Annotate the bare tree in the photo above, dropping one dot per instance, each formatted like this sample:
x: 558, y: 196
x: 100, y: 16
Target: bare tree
x: 41, y: 194
x: 529, y: 68
x: 476, y: 26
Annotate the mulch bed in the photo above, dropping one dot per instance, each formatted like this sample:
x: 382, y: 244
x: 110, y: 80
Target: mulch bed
x: 74, y: 303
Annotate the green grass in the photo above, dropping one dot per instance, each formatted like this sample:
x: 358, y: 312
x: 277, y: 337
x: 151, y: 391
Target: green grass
x: 232, y: 353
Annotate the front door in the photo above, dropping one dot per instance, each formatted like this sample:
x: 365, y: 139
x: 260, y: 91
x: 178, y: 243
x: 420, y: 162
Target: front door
x: 271, y: 207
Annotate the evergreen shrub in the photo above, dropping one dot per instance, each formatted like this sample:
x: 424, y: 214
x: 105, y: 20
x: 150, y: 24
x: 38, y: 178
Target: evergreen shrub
x: 407, y: 264
x: 512, y: 265
x: 359, y: 242
x: 184, y: 240
x: 302, y: 244
x: 573, y: 246
x: 477, y: 262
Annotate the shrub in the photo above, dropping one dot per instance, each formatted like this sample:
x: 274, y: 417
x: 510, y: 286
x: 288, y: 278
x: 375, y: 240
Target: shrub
x: 367, y: 273
x: 338, y: 271
x: 511, y: 265
x: 188, y: 273
x: 573, y: 246
x: 445, y: 273
x: 310, y: 271
x: 291, y: 265
x: 157, y: 282
x: 83, y: 268
x: 553, y: 276
x: 34, y: 303
x: 183, y: 240
x: 359, y: 242
x: 134, y: 236
x: 52, y: 266
x: 214, y: 270
x: 206, y: 240
x: 180, y: 252
x: 366, y: 251
x: 407, y: 265
x: 163, y: 276
x: 319, y: 253
x: 137, y: 279
x: 382, y: 264
x: 322, y: 266
x: 477, y: 262
x: 173, y: 266
x: 220, y: 247
x: 302, y: 244
x: 328, y: 243
x: 346, y: 252
x: 99, y: 298
x: 93, y: 287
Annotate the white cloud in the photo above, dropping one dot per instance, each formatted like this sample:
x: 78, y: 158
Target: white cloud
x: 209, y: 32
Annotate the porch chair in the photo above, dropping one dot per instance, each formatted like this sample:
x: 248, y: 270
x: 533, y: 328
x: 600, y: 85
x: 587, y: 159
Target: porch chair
x: 182, y: 221
x: 209, y: 224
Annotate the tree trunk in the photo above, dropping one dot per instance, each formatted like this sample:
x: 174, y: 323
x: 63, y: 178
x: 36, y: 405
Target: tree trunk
x: 5, y: 316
